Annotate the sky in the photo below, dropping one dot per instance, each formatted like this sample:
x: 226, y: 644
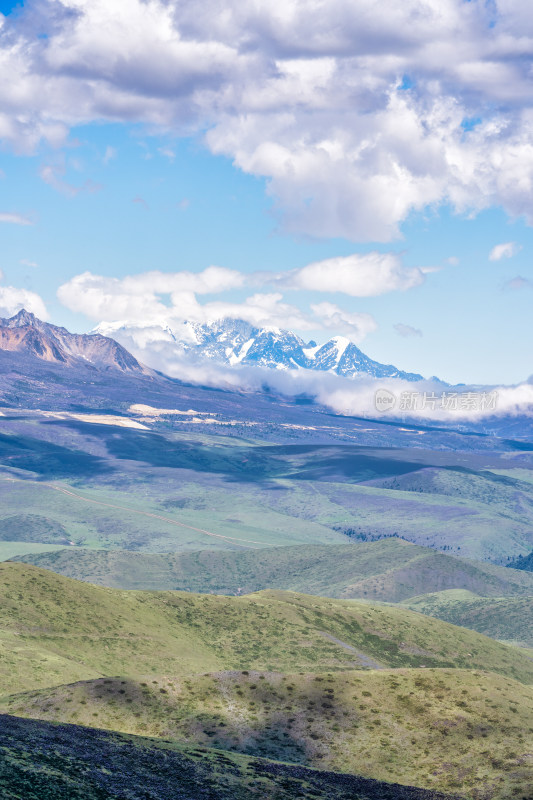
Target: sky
x: 335, y: 168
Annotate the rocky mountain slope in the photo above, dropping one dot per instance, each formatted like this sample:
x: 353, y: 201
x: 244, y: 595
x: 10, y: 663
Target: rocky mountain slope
x: 25, y: 333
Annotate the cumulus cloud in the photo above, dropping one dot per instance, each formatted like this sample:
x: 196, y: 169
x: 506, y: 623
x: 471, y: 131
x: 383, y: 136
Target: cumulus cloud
x: 357, y: 114
x: 358, y: 275
x: 14, y: 219
x: 260, y: 309
x: 137, y: 298
x: 13, y: 300
x: 356, y: 326
x: 406, y: 330
x: 504, y: 250
x: 168, y: 299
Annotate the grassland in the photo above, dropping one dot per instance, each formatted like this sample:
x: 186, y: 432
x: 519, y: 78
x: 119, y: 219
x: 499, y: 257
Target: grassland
x: 334, y: 684
x: 507, y: 619
x: 391, y: 570
x: 290, y: 501
x: 452, y: 729
x: 492, y: 600
x: 57, y: 630
x: 269, y: 494
x: 13, y: 549
x: 132, y: 515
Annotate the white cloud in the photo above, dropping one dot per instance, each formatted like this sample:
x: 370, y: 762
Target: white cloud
x: 261, y: 309
x: 354, y: 325
x: 14, y: 219
x: 154, y: 299
x: 167, y: 152
x: 360, y: 399
x: 109, y: 155
x: 26, y: 263
x: 138, y: 298
x: 13, y: 300
x: 52, y: 174
x: 518, y: 283
x: 406, y: 330
x: 352, y: 397
x: 504, y: 250
x: 357, y: 275
x: 357, y: 114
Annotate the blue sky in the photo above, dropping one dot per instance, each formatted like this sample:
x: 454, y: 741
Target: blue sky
x: 109, y: 169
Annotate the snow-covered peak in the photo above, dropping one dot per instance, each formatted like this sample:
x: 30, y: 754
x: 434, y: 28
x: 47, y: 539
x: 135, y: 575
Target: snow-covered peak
x: 340, y: 343
x: 236, y: 342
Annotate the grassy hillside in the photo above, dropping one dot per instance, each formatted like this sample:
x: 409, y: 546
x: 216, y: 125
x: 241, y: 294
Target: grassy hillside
x: 32, y: 528
x: 41, y: 761
x: 56, y: 630
x: 16, y: 548
x: 277, y: 674
x: 487, y: 487
x: 504, y: 618
x: 390, y: 569
x: 452, y: 729
x: 79, y: 480
x: 123, y: 513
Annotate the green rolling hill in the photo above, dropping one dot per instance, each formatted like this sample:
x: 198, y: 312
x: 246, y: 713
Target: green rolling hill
x: 58, y: 630
x: 492, y: 600
x: 452, y: 729
x: 504, y: 618
x: 328, y: 683
x: 391, y: 570
x: 77, y: 480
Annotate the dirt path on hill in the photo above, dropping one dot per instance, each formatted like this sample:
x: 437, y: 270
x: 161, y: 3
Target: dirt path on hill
x: 229, y: 539
x: 364, y: 660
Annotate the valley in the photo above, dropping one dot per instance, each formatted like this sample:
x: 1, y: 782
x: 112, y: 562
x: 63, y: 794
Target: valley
x: 286, y: 602
x: 266, y: 400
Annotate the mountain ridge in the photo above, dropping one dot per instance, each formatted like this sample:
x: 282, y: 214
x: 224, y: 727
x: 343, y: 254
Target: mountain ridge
x: 230, y: 341
x: 25, y: 333
x: 389, y: 570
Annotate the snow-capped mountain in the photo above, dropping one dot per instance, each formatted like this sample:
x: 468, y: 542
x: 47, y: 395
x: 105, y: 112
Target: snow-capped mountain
x: 234, y: 341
